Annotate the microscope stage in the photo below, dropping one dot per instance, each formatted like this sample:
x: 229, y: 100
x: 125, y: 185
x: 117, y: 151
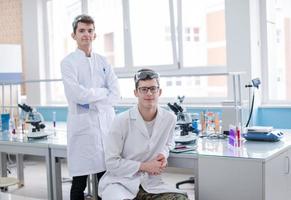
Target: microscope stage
x: 191, y: 137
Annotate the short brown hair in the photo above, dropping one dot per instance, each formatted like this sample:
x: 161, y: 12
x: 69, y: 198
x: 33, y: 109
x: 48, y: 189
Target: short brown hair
x: 84, y: 19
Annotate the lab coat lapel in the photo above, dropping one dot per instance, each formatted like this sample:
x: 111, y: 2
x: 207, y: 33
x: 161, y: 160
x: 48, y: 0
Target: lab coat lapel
x: 139, y: 122
x: 86, y: 62
x: 158, y: 122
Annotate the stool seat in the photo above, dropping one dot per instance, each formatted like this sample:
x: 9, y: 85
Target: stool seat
x: 8, y: 181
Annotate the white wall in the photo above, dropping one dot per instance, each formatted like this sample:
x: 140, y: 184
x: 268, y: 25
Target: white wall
x: 11, y: 59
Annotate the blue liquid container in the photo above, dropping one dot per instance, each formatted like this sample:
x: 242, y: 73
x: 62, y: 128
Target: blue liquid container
x: 5, y: 117
x: 195, y: 126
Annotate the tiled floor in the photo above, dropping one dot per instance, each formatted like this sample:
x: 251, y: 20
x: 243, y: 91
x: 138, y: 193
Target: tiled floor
x: 7, y: 196
x: 35, y: 181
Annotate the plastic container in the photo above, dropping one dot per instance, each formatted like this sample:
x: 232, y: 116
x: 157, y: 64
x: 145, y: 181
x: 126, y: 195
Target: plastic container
x: 5, y: 118
x: 195, y: 122
x: 195, y: 125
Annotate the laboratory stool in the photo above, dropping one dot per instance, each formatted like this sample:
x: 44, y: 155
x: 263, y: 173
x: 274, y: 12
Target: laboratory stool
x: 190, y: 180
x: 7, y: 181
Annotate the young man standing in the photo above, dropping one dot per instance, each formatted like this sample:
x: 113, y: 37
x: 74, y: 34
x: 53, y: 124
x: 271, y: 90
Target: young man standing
x: 137, y: 147
x: 91, y: 88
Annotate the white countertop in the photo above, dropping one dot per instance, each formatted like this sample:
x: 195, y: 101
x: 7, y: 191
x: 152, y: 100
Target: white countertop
x: 205, y: 146
x: 248, y: 149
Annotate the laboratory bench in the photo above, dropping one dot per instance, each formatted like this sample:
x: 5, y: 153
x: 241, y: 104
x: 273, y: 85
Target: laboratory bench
x: 58, y: 149
x: 254, y: 171
x: 20, y: 146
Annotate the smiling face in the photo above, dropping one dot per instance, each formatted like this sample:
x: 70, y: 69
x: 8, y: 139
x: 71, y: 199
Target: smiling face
x: 84, y: 35
x: 148, y: 93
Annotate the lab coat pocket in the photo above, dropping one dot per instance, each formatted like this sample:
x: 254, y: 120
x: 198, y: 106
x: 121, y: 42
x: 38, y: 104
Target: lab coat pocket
x: 79, y: 124
x: 82, y: 138
x: 84, y: 147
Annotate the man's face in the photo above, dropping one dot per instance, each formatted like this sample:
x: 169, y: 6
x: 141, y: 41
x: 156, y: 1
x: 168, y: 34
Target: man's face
x: 148, y: 93
x: 84, y: 35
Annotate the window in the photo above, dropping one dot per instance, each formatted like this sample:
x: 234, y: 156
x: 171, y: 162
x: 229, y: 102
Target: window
x: 108, y: 18
x: 279, y: 50
x: 59, y: 30
x: 149, y: 22
x: 178, y: 38
x: 203, y: 25
x: 59, y: 13
x: 197, y: 87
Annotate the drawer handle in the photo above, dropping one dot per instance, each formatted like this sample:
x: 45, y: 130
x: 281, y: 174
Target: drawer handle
x: 288, y: 165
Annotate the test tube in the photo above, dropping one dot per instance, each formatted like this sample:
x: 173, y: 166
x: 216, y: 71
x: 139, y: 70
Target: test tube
x: 238, y: 133
x: 203, y: 123
x: 12, y: 126
x: 21, y: 122
x: 217, y: 124
x: 54, y: 119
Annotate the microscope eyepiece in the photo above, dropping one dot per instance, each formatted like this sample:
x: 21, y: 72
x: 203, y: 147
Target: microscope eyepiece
x: 25, y: 107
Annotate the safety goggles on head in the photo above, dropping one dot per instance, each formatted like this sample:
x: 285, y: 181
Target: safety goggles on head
x: 77, y: 20
x: 144, y: 75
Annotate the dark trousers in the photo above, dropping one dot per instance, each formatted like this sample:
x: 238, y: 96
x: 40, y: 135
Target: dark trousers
x: 79, y: 184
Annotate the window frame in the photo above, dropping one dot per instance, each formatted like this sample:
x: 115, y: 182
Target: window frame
x: 176, y: 69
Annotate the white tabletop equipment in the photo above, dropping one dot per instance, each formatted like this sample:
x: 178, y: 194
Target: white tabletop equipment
x: 35, y: 119
x: 263, y: 133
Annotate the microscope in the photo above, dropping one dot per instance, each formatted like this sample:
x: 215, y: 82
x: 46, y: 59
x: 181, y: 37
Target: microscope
x: 184, y: 122
x: 35, y: 120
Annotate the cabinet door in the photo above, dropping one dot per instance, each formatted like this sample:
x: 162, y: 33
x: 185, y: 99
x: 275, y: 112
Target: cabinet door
x: 276, y: 177
x: 225, y: 178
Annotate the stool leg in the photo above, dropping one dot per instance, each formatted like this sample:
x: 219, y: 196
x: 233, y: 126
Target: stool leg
x: 20, y: 167
x: 3, y: 167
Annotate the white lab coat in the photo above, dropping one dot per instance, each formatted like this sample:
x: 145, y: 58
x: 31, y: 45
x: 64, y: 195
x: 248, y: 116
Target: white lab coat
x: 90, y: 82
x: 126, y: 146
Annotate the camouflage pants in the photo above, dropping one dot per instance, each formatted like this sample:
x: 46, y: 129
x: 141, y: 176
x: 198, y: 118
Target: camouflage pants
x: 143, y: 195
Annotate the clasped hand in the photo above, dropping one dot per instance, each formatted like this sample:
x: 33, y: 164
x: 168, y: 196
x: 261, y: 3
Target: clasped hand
x: 155, y: 166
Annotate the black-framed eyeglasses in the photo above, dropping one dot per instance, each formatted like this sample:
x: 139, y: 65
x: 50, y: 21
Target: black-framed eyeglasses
x: 143, y: 75
x: 145, y: 90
